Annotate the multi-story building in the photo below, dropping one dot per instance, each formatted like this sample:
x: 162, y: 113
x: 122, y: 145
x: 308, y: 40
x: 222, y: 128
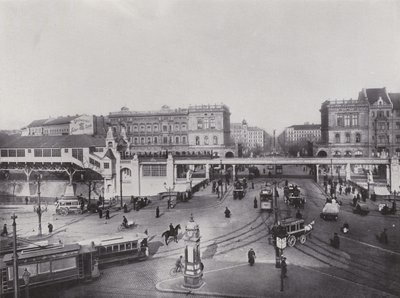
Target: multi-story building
x: 69, y: 125
x: 362, y: 127
x: 249, y: 136
x: 300, y: 139
x: 197, y: 129
x: 303, y: 133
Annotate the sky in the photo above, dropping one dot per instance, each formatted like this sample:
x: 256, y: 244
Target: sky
x: 272, y: 63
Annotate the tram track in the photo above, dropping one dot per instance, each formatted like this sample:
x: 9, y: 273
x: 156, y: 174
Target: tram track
x: 356, y: 271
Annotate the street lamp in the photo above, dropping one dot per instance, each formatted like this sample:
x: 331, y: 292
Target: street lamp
x: 169, y: 189
x: 38, y: 208
x: 120, y: 185
x: 15, y: 258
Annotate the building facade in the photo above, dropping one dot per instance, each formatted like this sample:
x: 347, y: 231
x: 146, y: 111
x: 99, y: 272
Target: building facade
x: 366, y: 126
x: 199, y: 129
x: 69, y: 125
x: 249, y: 136
x: 303, y: 133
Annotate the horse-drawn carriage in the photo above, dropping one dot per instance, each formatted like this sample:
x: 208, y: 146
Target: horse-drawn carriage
x: 295, y: 201
x: 296, y: 230
x: 330, y: 211
x: 361, y: 208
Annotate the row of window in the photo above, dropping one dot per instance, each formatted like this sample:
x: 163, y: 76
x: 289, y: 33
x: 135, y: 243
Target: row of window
x: 155, y: 140
x: 155, y: 170
x: 206, y: 140
x: 156, y: 127
x: 44, y: 267
x: 347, y: 119
x: 348, y: 153
x: 380, y: 114
x: 117, y: 247
x: 206, y: 123
x: 357, y: 138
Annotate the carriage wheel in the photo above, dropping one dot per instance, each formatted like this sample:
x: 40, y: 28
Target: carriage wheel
x: 302, y: 239
x: 79, y: 211
x: 291, y: 241
x: 64, y: 211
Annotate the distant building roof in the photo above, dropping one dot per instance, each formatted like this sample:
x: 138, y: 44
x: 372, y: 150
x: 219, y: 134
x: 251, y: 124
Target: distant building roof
x: 68, y: 141
x: 395, y: 97
x: 373, y: 95
x: 60, y: 120
x: 306, y: 127
x: 37, y: 123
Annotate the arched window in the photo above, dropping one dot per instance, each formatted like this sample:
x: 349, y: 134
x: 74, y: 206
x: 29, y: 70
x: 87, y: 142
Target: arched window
x: 197, y: 140
x: 347, y: 137
x: 215, y: 140
x: 176, y: 140
x: 358, y: 137
x: 206, y: 140
x: 337, y: 138
x: 141, y: 140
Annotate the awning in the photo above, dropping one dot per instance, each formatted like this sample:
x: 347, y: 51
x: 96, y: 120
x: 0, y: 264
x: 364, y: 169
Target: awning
x: 381, y: 191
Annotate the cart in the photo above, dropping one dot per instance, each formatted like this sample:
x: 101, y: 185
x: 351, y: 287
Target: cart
x: 330, y: 211
x: 361, y: 208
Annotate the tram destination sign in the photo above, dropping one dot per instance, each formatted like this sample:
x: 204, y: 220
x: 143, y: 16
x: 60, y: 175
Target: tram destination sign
x: 281, y: 242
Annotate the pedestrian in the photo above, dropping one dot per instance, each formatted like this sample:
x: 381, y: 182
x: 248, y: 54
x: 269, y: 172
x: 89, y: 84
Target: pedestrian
x: 340, y: 189
x: 394, y: 206
x: 125, y: 207
x: 335, y: 242
x: 5, y: 232
x: 383, y: 238
x: 283, y: 268
x: 255, y: 202
x: 217, y: 190
x: 26, y: 276
x: 169, y: 203
x: 157, y: 212
x: 50, y: 227
x: 108, y: 214
x: 26, y: 200
x: 100, y: 212
x: 355, y: 200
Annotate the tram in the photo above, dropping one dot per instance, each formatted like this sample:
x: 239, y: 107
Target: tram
x: 266, y: 199
x: 50, y: 264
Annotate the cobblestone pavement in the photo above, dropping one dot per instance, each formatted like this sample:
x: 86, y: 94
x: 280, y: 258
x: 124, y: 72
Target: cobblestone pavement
x: 361, y: 262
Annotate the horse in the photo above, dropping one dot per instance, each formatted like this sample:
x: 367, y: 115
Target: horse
x: 167, y: 234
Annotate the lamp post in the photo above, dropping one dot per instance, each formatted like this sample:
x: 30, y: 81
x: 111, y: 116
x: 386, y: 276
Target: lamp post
x: 120, y: 185
x: 169, y: 189
x: 15, y: 257
x: 38, y: 208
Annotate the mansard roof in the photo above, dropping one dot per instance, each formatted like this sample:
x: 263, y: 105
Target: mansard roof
x: 374, y: 94
x: 395, y: 97
x: 68, y: 141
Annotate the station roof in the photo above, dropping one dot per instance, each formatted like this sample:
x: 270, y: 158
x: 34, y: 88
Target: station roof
x: 68, y: 141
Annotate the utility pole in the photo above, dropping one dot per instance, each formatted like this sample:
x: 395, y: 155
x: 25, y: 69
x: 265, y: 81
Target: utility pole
x: 120, y: 185
x: 15, y: 257
x: 275, y: 228
x: 38, y: 209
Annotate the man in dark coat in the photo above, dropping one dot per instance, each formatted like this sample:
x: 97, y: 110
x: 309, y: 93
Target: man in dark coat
x: 171, y: 229
x: 335, y: 242
x: 108, y: 214
x: 255, y: 202
x: 50, y: 227
x: 157, y: 212
x: 100, y: 212
x: 283, y: 268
